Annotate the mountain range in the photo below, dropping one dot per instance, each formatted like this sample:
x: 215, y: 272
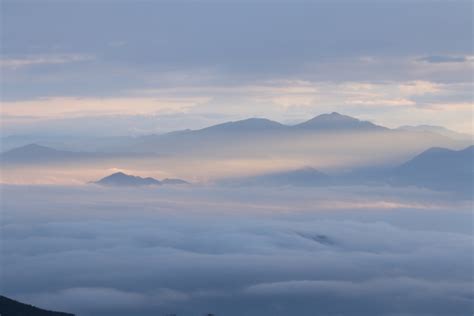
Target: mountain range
x: 381, y: 153
x: 439, y: 169
x: 263, y: 137
x: 38, y: 154
x: 253, y: 134
x: 436, y: 168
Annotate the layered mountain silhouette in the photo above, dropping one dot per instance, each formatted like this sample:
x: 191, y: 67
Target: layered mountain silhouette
x: 306, y: 176
x: 439, y: 169
x: 38, y: 154
x: 263, y: 137
x: 436, y: 168
x: 324, y: 137
x: 257, y: 136
x: 9, y: 307
x: 324, y: 122
x: 125, y: 180
x: 436, y: 130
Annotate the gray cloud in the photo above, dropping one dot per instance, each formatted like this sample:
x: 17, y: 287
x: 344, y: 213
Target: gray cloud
x: 444, y: 59
x: 233, y: 42
x: 98, y: 251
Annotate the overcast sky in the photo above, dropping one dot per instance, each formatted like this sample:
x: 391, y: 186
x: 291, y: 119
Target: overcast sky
x: 188, y: 64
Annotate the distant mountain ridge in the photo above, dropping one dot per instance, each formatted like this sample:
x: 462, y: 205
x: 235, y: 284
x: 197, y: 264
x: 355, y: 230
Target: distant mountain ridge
x: 261, y: 135
x: 34, y: 153
x: 125, y: 180
x: 436, y: 168
x: 306, y: 176
x: 331, y: 122
x: 9, y: 307
x: 253, y: 139
x: 251, y: 124
x: 336, y: 121
x: 437, y: 130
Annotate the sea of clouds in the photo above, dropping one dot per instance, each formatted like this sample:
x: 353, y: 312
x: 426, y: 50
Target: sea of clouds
x: 237, y: 251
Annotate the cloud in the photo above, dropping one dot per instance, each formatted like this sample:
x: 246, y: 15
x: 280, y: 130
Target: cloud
x: 96, y: 251
x: 20, y: 62
x: 443, y: 59
x: 70, y: 107
x: 165, y: 109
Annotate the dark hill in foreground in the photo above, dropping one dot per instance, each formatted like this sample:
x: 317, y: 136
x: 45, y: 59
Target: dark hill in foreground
x: 9, y: 307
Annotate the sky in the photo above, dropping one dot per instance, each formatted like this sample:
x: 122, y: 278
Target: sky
x: 141, y: 67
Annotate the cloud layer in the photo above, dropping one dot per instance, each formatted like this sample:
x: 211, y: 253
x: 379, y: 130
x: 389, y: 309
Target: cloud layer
x: 352, y: 251
x: 285, y: 60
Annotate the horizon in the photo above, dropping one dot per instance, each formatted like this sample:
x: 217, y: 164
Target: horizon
x: 290, y: 124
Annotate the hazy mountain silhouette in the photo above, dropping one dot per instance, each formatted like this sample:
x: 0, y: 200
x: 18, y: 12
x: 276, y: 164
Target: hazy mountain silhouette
x: 9, y: 307
x: 172, y: 181
x: 122, y: 179
x: 38, y: 154
x: 247, y: 125
x: 263, y: 137
x: 35, y: 153
x: 437, y: 130
x: 258, y: 138
x: 438, y: 168
x: 306, y: 176
x: 335, y: 121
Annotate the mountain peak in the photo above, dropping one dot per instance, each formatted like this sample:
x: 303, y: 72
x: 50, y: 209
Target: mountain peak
x: 34, y: 153
x: 122, y: 179
x: 33, y: 148
x: 245, y: 125
x: 337, y: 121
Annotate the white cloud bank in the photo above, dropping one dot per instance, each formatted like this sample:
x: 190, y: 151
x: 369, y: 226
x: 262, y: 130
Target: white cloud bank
x: 96, y: 251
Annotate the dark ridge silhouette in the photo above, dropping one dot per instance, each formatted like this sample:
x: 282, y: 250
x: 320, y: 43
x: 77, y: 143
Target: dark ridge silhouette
x: 9, y: 307
x: 122, y: 179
